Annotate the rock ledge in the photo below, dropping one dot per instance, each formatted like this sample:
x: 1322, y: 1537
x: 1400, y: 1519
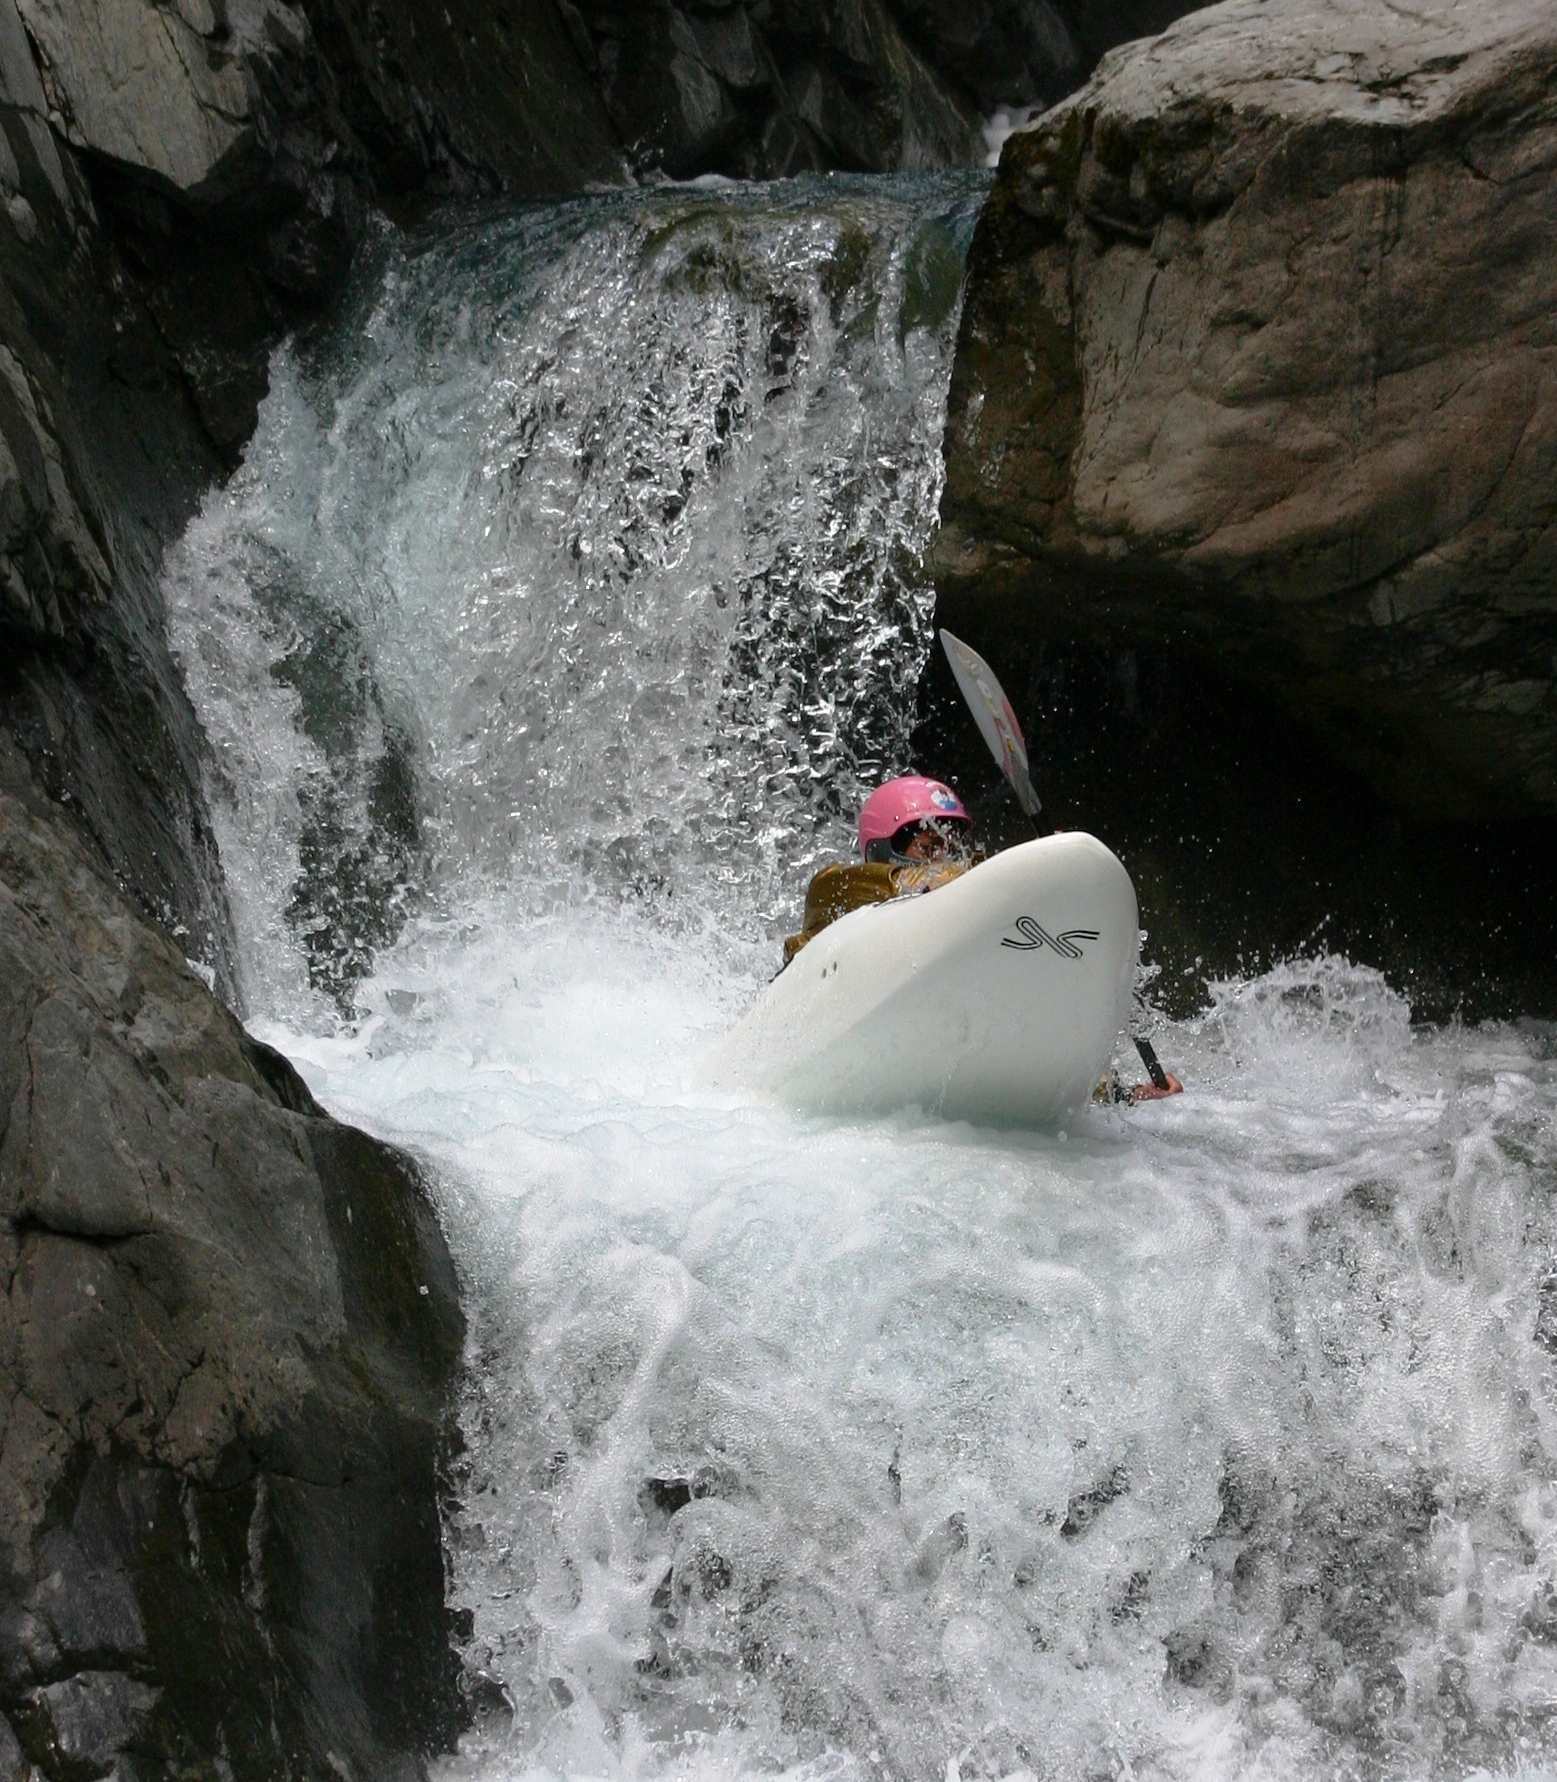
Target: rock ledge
x: 228, y: 1343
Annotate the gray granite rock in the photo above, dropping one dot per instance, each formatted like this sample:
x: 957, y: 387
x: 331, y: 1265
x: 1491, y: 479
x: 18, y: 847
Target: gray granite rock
x: 226, y: 1355
x: 84, y: 1722
x: 131, y: 80
x: 767, y: 89
x: 14, y: 1766
x: 460, y: 96
x: 93, y: 463
x: 772, y: 90
x: 50, y: 563
x: 1260, y: 353
x: 1025, y: 52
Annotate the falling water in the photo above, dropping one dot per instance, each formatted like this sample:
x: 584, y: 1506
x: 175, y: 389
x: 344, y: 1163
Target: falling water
x: 567, y: 599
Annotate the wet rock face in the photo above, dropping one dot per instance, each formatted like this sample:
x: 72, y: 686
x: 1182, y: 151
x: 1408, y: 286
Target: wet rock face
x: 765, y: 88
x: 210, y: 98
x: 95, y: 438
x: 1026, y: 52
x: 1258, y: 356
x: 765, y: 91
x: 226, y: 1347
x: 137, y: 83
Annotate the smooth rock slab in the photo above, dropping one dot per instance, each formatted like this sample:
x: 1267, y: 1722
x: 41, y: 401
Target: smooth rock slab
x: 131, y: 80
x: 1259, y: 353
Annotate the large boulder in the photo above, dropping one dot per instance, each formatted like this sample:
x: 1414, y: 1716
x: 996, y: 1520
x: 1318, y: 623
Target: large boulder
x: 201, y: 96
x: 142, y: 84
x: 227, y: 1350
x: 1259, y: 354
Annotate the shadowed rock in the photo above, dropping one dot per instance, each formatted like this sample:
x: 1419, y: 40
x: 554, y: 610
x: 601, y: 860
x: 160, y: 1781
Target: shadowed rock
x: 226, y: 1350
x: 1258, y: 354
x: 1026, y: 52
x: 770, y: 91
x: 766, y: 90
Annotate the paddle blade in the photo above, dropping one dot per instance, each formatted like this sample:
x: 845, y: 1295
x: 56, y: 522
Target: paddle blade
x: 993, y: 714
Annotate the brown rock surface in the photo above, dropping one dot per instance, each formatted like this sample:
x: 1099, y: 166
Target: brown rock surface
x: 227, y: 1341
x: 1259, y: 353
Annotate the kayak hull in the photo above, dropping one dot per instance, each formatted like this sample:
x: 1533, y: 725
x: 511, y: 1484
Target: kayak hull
x: 998, y: 998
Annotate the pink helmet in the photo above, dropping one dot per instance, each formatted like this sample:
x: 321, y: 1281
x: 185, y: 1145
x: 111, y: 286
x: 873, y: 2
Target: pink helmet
x: 910, y: 799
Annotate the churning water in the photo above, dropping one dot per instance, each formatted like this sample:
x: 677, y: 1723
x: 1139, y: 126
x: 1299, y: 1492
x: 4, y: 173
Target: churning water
x: 569, y: 596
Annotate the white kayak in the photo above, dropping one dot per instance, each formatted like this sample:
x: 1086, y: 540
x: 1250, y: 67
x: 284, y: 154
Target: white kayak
x: 999, y: 997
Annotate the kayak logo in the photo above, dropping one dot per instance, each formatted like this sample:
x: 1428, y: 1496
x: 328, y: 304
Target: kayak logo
x: 1030, y: 936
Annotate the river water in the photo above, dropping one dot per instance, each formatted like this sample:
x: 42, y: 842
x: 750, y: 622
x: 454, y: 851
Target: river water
x: 568, y: 598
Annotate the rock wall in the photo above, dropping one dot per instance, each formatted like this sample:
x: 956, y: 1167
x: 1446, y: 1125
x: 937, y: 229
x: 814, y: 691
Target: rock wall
x: 765, y: 88
x: 1259, y: 356
x: 228, y: 1337
x: 230, y: 1329
x: 759, y: 91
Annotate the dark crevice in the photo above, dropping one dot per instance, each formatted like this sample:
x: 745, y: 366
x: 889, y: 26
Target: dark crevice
x: 1246, y: 843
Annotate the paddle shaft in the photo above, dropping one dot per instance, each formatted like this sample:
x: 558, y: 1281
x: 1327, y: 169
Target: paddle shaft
x: 1153, y: 1065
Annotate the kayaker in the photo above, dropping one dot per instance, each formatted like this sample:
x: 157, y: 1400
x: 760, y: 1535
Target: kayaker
x: 915, y: 835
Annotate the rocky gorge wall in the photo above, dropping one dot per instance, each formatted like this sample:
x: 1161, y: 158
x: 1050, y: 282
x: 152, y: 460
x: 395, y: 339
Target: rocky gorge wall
x: 228, y: 1340
x: 231, y: 1329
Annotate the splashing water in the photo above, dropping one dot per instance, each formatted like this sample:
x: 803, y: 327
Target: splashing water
x: 567, y: 599
x: 586, y: 557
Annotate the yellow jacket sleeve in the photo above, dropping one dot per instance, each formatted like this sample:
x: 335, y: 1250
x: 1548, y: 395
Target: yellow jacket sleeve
x: 837, y: 889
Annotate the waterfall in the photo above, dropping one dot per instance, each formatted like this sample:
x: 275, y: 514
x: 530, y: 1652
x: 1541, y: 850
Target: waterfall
x: 583, y: 560
x: 567, y: 600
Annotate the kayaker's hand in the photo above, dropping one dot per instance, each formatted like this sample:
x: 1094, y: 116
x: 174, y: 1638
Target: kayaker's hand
x: 1150, y: 1091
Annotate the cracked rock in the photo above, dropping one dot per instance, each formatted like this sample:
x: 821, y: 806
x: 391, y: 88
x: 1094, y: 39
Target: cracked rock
x: 86, y: 1720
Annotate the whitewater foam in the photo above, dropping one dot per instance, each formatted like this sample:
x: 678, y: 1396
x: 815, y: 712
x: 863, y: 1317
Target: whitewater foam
x: 1210, y: 1439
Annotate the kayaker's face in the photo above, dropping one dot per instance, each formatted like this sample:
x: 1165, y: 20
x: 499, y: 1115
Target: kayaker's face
x: 925, y: 844
x: 930, y: 842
